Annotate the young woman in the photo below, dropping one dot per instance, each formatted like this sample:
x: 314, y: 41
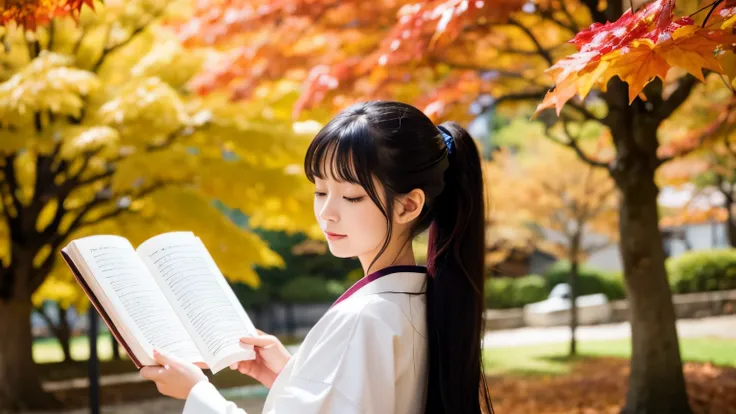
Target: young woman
x: 405, y: 338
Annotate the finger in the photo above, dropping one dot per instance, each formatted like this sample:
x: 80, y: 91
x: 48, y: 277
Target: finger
x: 234, y: 366
x: 257, y: 340
x: 245, y: 367
x: 153, y: 373
x: 202, y: 365
x: 165, y: 359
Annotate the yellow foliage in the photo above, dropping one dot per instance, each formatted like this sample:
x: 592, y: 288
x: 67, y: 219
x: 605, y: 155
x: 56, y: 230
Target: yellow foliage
x: 47, y: 215
x: 78, y: 139
x: 4, y: 244
x: 114, y: 114
x: 48, y: 83
x: 549, y: 187
x: 25, y: 171
x: 144, y: 111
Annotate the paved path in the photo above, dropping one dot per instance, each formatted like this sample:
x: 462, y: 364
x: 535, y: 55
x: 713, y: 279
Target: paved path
x: 715, y: 327
x: 251, y: 398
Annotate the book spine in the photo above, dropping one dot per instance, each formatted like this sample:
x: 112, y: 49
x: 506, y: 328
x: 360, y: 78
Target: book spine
x: 96, y: 303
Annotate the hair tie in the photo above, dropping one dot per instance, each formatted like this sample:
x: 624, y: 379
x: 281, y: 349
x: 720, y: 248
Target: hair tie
x: 448, y: 139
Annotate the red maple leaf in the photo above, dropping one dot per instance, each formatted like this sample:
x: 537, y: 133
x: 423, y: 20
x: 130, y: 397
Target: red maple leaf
x: 30, y: 13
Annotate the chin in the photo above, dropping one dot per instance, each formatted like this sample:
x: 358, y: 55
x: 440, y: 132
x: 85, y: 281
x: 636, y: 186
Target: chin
x: 341, y: 253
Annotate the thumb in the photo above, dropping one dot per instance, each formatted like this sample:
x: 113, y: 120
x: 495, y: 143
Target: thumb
x: 162, y: 359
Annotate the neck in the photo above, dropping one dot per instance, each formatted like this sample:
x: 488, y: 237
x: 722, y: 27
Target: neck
x: 404, y: 257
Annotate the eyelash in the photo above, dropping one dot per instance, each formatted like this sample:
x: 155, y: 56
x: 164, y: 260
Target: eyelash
x: 348, y: 199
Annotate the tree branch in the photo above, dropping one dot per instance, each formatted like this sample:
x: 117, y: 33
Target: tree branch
x: 585, y: 111
x: 521, y: 96
x: 725, y: 118
x: 549, y: 15
x: 183, y: 131
x: 37, y: 122
x: 513, y: 51
x: 573, y: 143
x: 677, y: 98
x: 573, y: 24
x: 5, y: 193
x: 97, y: 177
x: 593, y: 248
x: 33, y: 47
x: 597, y: 15
x: 109, y: 50
x: 41, y: 311
x: 12, y: 182
x: 542, y: 51
x: 99, y: 199
x: 499, y: 72
x: 52, y: 34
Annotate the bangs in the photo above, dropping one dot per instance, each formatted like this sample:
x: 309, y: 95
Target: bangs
x: 342, y: 151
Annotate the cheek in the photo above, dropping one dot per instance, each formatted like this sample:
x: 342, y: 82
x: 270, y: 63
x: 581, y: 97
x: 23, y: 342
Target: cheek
x: 370, y: 224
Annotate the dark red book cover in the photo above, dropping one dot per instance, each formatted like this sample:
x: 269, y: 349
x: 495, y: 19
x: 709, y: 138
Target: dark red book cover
x: 100, y: 309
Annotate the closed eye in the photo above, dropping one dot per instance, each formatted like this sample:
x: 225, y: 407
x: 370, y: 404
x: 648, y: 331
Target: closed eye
x: 319, y: 194
x: 355, y: 199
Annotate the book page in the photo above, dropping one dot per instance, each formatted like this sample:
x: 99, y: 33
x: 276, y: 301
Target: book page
x: 138, y: 301
x: 200, y: 296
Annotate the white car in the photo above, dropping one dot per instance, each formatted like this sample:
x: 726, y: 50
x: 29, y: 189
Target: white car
x: 555, y: 310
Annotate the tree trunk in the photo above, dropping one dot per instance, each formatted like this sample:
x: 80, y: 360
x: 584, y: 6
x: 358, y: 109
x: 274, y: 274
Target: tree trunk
x: 573, y: 282
x: 656, y: 381
x: 60, y: 331
x: 20, y: 388
x: 64, y: 334
x: 730, y: 223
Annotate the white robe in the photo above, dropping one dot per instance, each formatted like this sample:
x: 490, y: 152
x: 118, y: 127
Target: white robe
x: 367, y: 354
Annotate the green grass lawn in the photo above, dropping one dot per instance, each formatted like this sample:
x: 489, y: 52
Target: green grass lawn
x: 48, y: 350
x: 525, y: 360
x: 552, y: 358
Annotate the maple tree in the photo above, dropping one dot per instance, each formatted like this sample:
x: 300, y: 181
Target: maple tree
x: 508, y: 238
x: 573, y: 203
x: 627, y: 71
x: 99, y: 134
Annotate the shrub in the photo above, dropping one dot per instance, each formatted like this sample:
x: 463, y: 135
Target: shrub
x: 590, y: 280
x: 507, y: 292
x: 530, y: 289
x: 701, y: 271
x: 307, y: 289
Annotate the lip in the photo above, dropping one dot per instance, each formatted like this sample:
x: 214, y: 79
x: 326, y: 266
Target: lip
x: 334, y: 236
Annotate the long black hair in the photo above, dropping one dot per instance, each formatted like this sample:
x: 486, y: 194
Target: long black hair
x: 401, y: 147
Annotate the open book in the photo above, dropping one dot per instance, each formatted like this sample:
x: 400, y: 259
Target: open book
x: 167, y: 294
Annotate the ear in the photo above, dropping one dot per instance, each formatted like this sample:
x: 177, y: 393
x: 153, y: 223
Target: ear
x: 409, y: 206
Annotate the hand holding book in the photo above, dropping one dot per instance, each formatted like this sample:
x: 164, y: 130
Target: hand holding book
x: 167, y: 294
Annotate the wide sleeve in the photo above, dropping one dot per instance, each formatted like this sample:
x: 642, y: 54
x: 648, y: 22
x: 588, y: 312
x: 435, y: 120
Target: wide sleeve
x: 205, y: 399
x: 348, y: 369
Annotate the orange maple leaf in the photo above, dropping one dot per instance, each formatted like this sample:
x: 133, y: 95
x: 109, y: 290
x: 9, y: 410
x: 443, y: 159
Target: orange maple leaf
x: 637, y: 62
x: 636, y: 65
x: 30, y: 13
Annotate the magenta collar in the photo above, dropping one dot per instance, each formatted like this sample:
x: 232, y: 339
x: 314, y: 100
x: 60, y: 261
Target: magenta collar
x: 377, y: 275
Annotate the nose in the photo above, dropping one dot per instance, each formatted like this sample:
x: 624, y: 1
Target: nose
x: 328, y: 211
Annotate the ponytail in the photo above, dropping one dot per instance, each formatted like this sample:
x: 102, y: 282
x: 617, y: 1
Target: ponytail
x: 455, y: 264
